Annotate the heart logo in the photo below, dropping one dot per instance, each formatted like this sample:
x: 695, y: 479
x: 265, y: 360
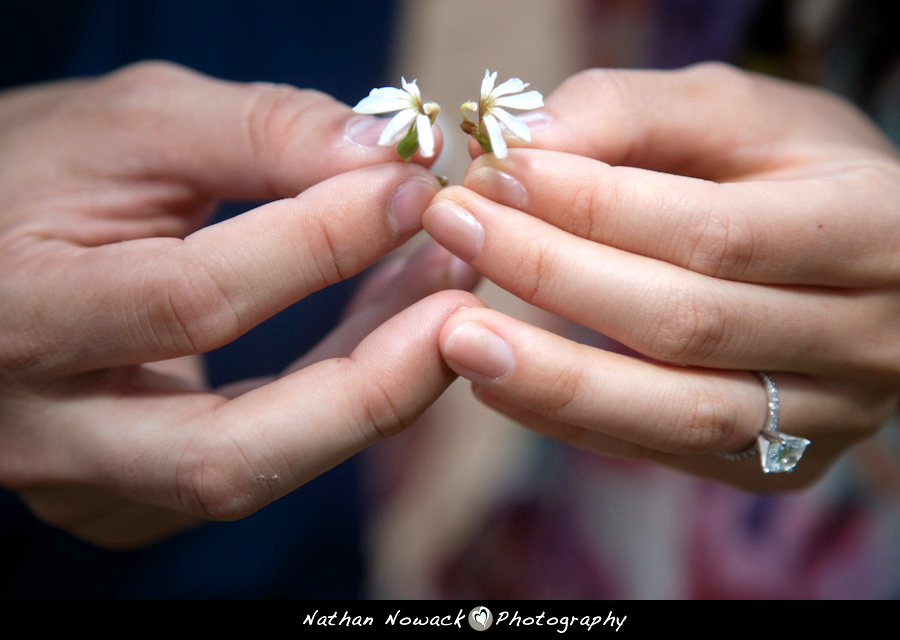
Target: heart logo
x: 481, y: 617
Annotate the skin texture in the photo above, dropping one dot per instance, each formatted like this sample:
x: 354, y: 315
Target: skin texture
x: 714, y: 223
x: 107, y: 279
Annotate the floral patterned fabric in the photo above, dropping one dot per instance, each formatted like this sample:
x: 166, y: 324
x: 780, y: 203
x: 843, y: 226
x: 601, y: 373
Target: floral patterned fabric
x: 592, y: 527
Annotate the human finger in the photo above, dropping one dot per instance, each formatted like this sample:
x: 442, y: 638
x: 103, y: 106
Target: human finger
x: 394, y: 286
x: 685, y: 317
x: 304, y: 423
x: 787, y: 232
x: 431, y: 269
x: 399, y: 281
x: 618, y: 405
x: 198, y: 454
x: 157, y: 298
x: 674, y: 121
x: 227, y: 140
x: 21, y: 104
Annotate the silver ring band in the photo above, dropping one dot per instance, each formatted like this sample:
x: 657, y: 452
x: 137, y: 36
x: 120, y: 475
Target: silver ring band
x: 778, y: 452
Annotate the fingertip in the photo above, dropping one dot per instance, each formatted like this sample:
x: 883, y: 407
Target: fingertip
x: 477, y: 353
x: 464, y: 313
x: 475, y: 348
x: 408, y: 204
x: 417, y: 329
x: 454, y: 225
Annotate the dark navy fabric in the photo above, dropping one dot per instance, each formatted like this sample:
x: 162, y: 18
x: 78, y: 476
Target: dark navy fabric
x: 306, y: 545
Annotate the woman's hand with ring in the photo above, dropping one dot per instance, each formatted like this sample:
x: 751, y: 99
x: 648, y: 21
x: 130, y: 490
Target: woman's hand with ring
x: 713, y: 222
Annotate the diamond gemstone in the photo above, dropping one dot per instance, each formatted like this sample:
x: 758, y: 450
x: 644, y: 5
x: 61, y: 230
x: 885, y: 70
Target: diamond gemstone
x: 782, y: 454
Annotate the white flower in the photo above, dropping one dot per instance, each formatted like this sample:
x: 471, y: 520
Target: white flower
x: 408, y: 102
x: 491, y: 112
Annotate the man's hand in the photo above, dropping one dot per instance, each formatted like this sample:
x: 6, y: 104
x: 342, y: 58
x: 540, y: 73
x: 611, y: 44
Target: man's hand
x: 105, y: 184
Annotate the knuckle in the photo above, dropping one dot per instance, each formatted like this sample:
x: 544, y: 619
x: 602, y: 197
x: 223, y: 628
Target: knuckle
x: 718, y: 76
x: 531, y: 274
x: 620, y: 90
x: 187, y: 310
x: 585, y: 204
x: 329, y: 257
x: 213, y: 480
x: 691, y: 329
x: 707, y: 423
x: 378, y: 416
x: 144, y: 84
x: 561, y: 391
x: 150, y: 72
x: 582, y: 81
x: 134, y: 97
x: 614, y: 84
x: 723, y: 246
x: 273, y: 113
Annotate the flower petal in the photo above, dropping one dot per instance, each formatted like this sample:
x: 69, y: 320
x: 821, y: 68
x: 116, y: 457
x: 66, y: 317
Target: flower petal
x: 528, y: 100
x: 397, y: 124
x: 487, y: 83
x: 383, y: 100
x: 412, y: 89
x: 498, y: 144
x: 426, y: 135
x: 515, y: 126
x: 513, y: 85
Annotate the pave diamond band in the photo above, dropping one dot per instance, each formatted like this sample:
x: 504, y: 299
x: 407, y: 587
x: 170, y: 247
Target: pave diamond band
x: 778, y: 452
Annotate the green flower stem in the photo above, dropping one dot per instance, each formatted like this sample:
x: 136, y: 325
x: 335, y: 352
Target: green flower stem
x: 483, y: 140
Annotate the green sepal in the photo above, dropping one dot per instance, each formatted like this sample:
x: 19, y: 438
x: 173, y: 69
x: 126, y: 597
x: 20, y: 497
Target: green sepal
x: 407, y: 147
x: 484, y: 141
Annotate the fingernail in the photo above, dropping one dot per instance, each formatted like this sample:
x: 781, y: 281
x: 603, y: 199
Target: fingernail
x: 537, y: 121
x: 499, y: 186
x: 365, y: 130
x: 475, y: 350
x: 408, y: 203
x: 456, y: 229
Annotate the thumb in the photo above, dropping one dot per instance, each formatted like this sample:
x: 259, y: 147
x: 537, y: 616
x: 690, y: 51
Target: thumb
x: 231, y: 140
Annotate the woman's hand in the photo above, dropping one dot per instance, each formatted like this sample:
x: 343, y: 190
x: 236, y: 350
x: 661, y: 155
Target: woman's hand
x: 105, y: 183
x: 716, y: 223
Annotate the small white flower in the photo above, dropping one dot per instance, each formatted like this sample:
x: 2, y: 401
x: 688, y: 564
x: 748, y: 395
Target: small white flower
x: 412, y: 113
x: 491, y: 111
